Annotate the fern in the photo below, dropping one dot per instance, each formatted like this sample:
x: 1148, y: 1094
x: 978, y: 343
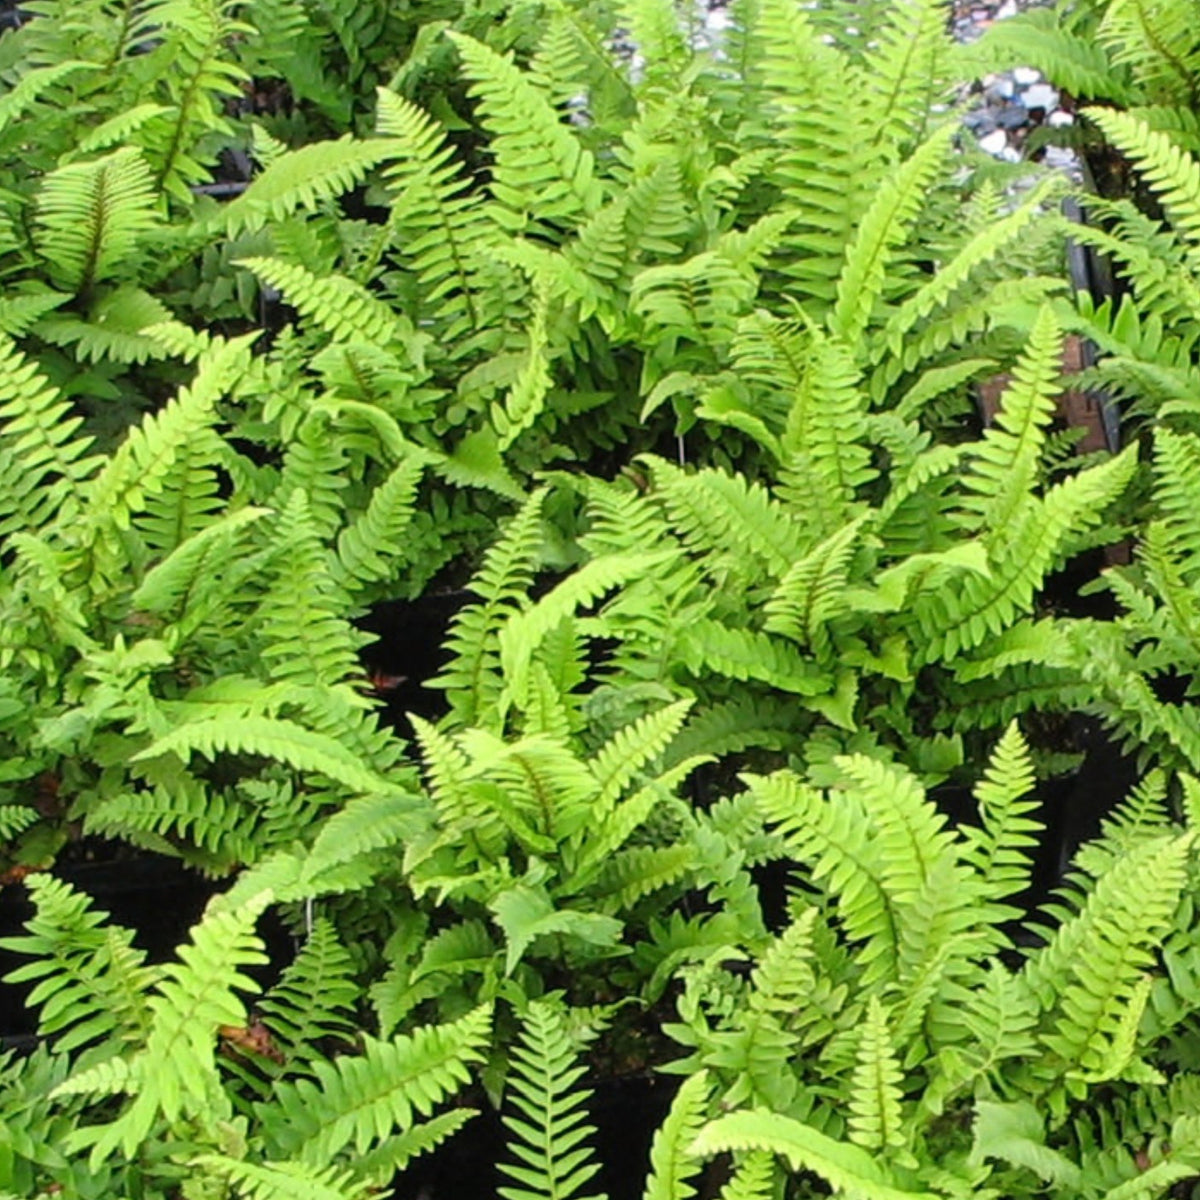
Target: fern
x: 841, y: 1164
x: 313, y: 1003
x: 175, y: 1071
x: 45, y: 465
x: 548, y: 1130
x: 304, y: 179
x: 537, y: 158
x: 93, y: 217
x: 875, y: 1096
x: 343, y: 308
x: 90, y: 979
x: 442, y: 233
x: 357, y: 1101
x: 671, y: 1165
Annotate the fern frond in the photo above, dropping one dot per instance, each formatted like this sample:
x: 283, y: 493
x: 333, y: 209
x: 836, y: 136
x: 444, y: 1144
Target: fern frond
x: 302, y: 179
x: 176, y: 1071
x: 875, y: 1093
x: 302, y: 749
x: 43, y: 466
x: 1170, y: 171
x: 837, y: 839
x: 308, y: 639
x: 472, y: 677
x: 145, y: 462
x: 671, y: 1165
x: 371, y: 548
x: 824, y: 458
x: 443, y: 233
x: 883, y: 227
x: 334, y: 303
x: 974, y: 607
x: 315, y: 998
x: 540, y: 171
x: 195, y: 559
x: 90, y: 981
x: 1094, y: 962
x: 998, y: 852
x: 1038, y: 38
x: 715, y: 511
x: 548, y: 1129
x: 113, y: 329
x: 1177, y: 492
x: 358, y: 1100
x: 707, y: 645
x: 281, y: 1181
x: 201, y: 78
x: 92, y: 217
x: 1005, y: 464
x: 844, y: 1166
x: 753, y: 1177
x: 809, y: 594
x: 904, y: 72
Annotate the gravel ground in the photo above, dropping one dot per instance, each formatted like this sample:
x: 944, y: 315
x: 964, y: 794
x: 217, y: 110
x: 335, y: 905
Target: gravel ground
x: 1008, y: 106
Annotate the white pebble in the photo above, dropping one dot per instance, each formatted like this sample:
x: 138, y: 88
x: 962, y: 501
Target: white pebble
x: 1007, y: 9
x: 1060, y: 118
x: 1026, y: 75
x: 995, y: 142
x: 1041, y: 95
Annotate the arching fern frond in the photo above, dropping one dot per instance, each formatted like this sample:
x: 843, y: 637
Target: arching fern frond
x: 301, y: 179
x: 300, y: 748
x: 334, y: 303
x: 843, y: 1165
x: 282, y: 1181
x: 92, y: 217
x: 540, y: 171
x: 357, y: 1101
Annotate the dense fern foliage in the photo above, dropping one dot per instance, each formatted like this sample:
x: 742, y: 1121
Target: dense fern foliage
x: 841, y: 603
x: 891, y: 1040
x: 662, y: 353
x: 163, y: 1074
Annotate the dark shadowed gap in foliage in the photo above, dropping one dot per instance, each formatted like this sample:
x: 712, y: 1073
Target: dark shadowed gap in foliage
x: 407, y: 652
x: 1063, y: 591
x: 625, y: 1112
